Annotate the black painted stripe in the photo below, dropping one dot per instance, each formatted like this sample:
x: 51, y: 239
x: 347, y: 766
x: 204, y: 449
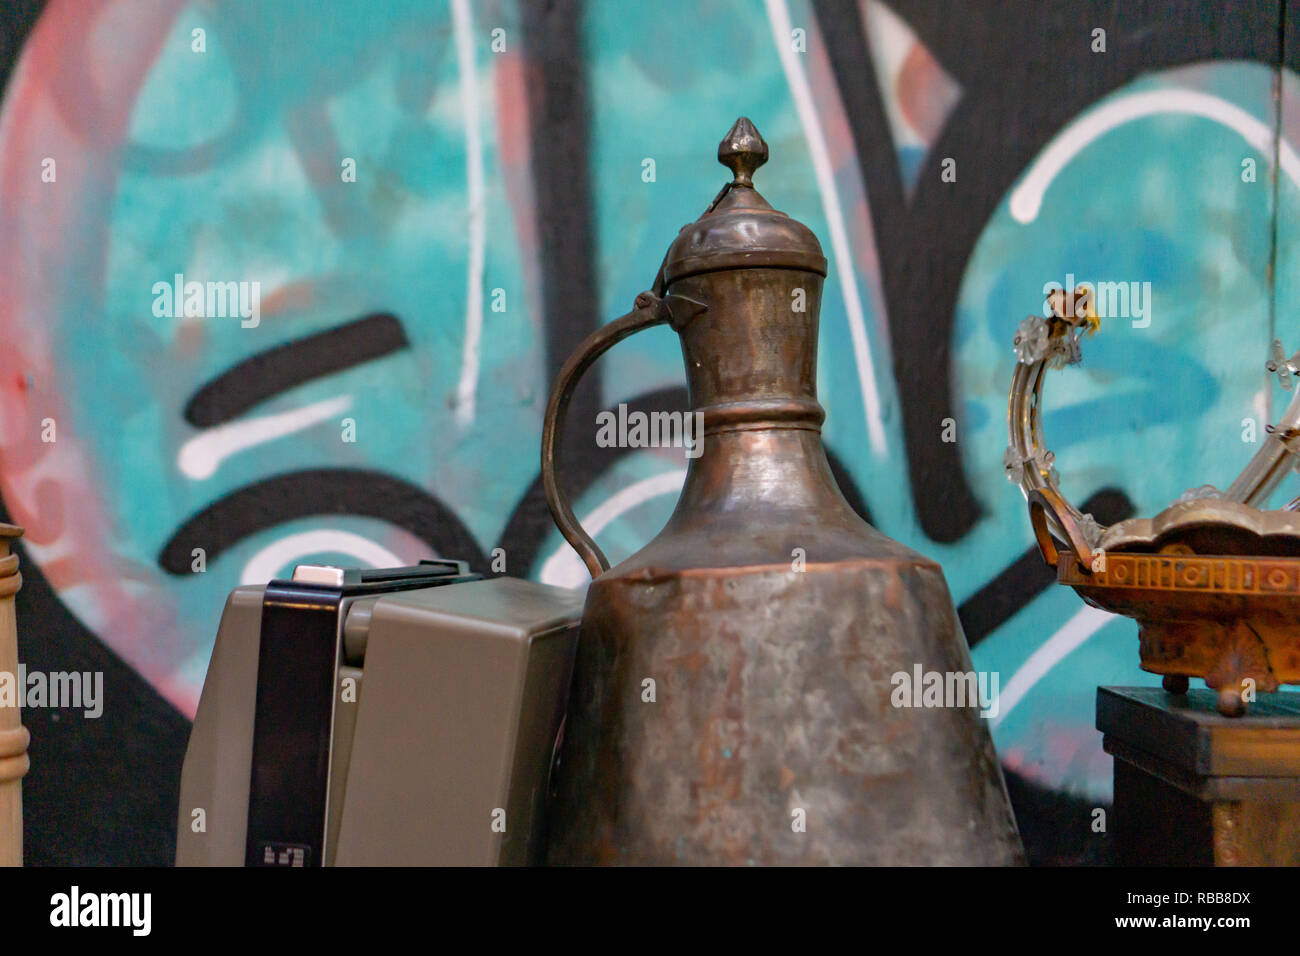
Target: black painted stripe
x: 18, y: 18
x: 848, y: 487
x: 304, y: 494
x: 293, y: 363
x: 560, y: 154
x: 946, y: 506
x: 1029, y: 575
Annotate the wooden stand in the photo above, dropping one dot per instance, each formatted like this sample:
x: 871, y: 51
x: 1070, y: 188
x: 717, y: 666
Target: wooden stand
x: 13, y: 735
x: 1195, y: 788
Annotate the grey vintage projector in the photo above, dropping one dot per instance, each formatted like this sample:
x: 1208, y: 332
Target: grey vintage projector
x: 405, y: 716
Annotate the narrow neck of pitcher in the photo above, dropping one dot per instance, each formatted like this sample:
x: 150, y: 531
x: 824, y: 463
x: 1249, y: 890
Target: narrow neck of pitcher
x: 751, y: 354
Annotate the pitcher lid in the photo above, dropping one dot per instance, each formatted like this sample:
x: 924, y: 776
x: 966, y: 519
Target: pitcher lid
x: 740, y: 229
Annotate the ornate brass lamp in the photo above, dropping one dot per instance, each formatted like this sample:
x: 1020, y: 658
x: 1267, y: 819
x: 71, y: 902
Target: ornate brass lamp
x: 1213, y: 580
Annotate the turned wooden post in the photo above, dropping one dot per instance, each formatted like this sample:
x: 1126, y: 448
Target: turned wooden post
x: 13, y: 735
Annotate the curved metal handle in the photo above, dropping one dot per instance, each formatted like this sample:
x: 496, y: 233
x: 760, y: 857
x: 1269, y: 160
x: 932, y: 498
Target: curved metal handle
x: 650, y: 311
x: 1044, y: 503
x: 1042, y: 344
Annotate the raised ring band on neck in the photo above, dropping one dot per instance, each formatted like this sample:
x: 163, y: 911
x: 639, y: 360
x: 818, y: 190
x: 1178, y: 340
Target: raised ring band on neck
x: 765, y: 412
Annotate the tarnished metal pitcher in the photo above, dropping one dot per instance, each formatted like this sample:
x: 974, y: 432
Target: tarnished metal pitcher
x: 733, y: 697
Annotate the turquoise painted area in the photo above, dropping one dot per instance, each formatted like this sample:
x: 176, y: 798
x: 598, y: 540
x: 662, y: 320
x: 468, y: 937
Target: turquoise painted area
x: 256, y: 214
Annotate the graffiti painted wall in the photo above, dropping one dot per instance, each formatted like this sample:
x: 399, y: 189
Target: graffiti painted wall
x: 405, y: 215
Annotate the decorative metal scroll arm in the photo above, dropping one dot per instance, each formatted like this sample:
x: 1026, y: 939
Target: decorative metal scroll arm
x: 1044, y: 343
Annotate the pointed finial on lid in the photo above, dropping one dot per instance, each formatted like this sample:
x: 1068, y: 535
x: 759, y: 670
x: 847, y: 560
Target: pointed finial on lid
x: 743, y: 151
x: 740, y: 229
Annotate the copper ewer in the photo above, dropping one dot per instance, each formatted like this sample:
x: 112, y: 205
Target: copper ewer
x: 771, y: 737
